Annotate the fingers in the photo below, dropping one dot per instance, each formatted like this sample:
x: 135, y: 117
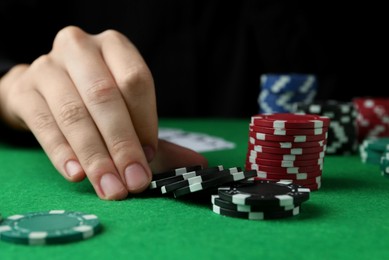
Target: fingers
x: 74, y: 121
x: 97, y: 88
x: 135, y: 82
x: 91, y: 104
x: 31, y: 106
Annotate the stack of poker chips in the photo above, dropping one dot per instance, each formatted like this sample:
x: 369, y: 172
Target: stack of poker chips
x: 279, y: 92
x: 342, y: 132
x: 185, y: 181
x: 372, y: 117
x: 260, y: 200
x: 372, y: 149
x: 288, y: 146
x: 233, y: 192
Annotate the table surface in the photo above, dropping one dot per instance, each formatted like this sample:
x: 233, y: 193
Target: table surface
x: 346, y: 219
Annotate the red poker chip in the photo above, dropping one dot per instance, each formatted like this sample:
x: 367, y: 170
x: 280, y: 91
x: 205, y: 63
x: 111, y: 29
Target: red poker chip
x: 298, y: 176
x: 288, y: 138
x: 274, y: 150
x: 287, y: 144
x: 290, y: 120
x: 281, y: 163
x: 284, y: 170
x: 275, y: 131
x: 285, y: 157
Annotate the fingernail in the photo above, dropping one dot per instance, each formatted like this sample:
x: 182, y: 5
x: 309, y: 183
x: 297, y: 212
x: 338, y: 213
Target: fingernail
x: 72, y: 168
x: 111, y: 185
x: 136, y: 177
x: 149, y: 153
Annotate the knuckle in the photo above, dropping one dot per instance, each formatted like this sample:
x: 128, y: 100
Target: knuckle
x: 69, y: 35
x: 71, y: 113
x: 119, y: 144
x: 137, y: 81
x: 41, y: 62
x: 41, y: 121
x: 101, y: 91
x: 111, y: 34
x: 91, y: 158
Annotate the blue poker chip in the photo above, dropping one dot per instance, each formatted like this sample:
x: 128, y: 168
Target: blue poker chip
x: 296, y: 82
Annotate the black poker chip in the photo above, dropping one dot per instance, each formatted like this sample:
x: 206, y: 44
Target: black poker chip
x: 256, y: 215
x: 175, y: 172
x: 217, y: 201
x: 170, y: 187
x: 261, y: 192
x: 215, y: 182
x: 183, y: 174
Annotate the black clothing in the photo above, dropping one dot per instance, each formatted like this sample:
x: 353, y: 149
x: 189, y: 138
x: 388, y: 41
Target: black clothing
x: 207, y: 56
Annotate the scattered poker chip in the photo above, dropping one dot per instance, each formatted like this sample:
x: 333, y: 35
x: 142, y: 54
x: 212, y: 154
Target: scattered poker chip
x: 288, y: 138
x: 178, y: 176
x: 49, y: 227
x: 259, y: 192
x: 290, y: 120
x: 215, y: 182
x: 256, y: 215
x: 175, y: 172
x: 198, y: 179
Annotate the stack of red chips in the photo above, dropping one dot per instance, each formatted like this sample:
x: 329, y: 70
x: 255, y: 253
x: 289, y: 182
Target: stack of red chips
x: 287, y: 146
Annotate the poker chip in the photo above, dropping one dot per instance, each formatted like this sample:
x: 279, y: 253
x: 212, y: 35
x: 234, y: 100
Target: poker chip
x: 173, y: 176
x: 372, y: 117
x: 284, y: 170
x: 342, y: 130
x: 282, y: 163
x: 274, y: 150
x: 290, y: 120
x: 216, y: 200
x: 288, y: 131
x: 372, y: 149
x: 214, y: 182
x: 288, y: 138
x: 198, y: 179
x: 260, y: 192
x: 288, y: 146
x: 256, y: 215
x: 283, y: 176
x: 312, y: 144
x: 176, y: 171
x: 285, y: 157
x: 279, y: 92
x: 49, y: 227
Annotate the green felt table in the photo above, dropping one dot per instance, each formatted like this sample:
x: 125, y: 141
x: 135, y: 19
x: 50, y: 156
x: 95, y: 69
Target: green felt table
x: 348, y: 218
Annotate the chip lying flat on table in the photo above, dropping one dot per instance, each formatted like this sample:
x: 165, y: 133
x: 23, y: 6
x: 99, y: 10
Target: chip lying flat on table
x: 49, y: 227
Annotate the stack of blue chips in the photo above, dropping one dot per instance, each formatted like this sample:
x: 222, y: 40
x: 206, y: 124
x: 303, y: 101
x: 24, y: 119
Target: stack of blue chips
x: 279, y: 92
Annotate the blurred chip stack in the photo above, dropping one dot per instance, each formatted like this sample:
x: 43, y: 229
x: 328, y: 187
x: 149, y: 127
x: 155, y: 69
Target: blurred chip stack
x: 342, y: 132
x: 372, y: 117
x: 279, y: 92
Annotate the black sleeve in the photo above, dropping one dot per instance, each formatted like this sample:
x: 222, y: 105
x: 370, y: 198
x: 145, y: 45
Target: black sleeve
x: 27, y: 30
